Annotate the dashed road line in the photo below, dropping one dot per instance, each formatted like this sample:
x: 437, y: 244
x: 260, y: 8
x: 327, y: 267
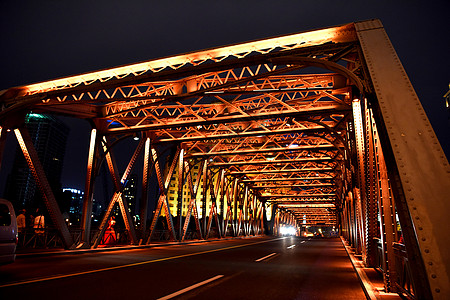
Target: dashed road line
x: 265, y: 257
x: 190, y: 288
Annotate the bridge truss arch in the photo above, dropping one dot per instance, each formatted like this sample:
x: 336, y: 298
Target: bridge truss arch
x: 322, y: 126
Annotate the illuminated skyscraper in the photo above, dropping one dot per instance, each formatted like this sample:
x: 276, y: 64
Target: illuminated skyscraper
x: 49, y: 136
x: 129, y: 193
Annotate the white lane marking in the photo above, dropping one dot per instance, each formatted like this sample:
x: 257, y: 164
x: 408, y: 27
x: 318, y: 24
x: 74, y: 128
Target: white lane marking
x: 131, y: 265
x: 290, y: 247
x: 302, y: 242
x: 189, y: 288
x: 267, y: 256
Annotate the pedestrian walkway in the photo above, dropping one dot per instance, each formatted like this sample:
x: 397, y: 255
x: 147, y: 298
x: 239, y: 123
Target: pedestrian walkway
x: 370, y: 278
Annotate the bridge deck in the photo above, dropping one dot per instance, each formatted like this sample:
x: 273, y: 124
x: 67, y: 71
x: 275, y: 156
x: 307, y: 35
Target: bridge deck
x: 262, y: 268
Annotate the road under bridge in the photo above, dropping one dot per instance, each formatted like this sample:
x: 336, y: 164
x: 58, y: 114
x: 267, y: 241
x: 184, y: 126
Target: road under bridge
x: 319, y: 129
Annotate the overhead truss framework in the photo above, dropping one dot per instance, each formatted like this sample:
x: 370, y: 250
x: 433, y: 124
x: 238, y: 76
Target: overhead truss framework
x: 321, y: 126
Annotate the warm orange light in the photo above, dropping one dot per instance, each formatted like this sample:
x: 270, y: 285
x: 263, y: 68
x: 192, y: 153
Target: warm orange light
x: 304, y: 39
x: 324, y: 205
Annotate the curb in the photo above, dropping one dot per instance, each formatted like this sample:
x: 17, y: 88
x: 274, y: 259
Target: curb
x: 368, y: 288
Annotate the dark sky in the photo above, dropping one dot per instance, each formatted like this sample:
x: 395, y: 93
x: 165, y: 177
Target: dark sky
x: 46, y: 39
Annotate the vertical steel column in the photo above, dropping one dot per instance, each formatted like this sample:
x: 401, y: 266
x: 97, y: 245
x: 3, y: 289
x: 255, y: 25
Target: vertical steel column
x: 361, y: 196
x: 276, y: 223
x: 204, y: 195
x: 89, y: 191
x: 31, y: 157
x: 229, y: 214
x: 222, y: 194
x: 236, y: 202
x: 180, y: 193
x: 387, y: 226
x: 371, y: 193
x: 252, y: 215
x: 245, y: 211
x: 145, y: 182
x: 347, y: 230
x: 353, y: 226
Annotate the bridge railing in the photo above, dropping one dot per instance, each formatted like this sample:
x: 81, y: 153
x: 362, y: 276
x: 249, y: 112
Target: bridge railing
x: 48, y: 238
x: 404, y: 284
x: 379, y: 261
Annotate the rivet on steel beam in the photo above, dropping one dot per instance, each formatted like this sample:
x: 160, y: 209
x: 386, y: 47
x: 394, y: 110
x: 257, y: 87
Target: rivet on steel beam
x: 420, y: 228
x: 433, y: 276
x: 427, y: 250
x: 437, y: 290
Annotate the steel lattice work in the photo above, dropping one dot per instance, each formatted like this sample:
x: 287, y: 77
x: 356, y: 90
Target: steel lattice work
x: 308, y: 129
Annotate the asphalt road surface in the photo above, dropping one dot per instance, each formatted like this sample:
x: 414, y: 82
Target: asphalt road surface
x: 256, y: 268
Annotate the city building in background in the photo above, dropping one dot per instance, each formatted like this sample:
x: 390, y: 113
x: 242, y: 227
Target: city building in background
x: 76, y: 204
x: 49, y: 136
x: 129, y: 194
x: 75, y: 198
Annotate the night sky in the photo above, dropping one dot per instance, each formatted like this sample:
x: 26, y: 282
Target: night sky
x: 43, y: 40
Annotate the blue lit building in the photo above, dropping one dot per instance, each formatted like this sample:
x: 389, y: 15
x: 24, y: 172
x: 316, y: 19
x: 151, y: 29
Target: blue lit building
x: 49, y: 136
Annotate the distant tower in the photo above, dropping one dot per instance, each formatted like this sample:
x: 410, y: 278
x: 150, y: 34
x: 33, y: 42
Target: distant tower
x: 129, y: 193
x: 129, y: 196
x: 49, y: 136
x: 76, y: 203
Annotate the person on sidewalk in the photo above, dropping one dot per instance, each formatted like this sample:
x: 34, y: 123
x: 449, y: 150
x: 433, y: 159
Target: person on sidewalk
x: 39, y: 223
x: 21, y: 222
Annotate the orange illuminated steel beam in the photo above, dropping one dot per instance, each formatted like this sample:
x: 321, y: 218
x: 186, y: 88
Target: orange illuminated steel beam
x: 233, y: 104
x: 281, y: 161
x: 32, y: 159
x: 340, y: 34
x: 264, y: 150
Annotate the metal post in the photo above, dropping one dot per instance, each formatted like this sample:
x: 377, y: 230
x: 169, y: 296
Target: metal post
x: 387, y: 226
x: 245, y: 211
x: 235, y: 208
x: 204, y: 196
x: 222, y: 201
x: 89, y: 192
x: 145, y: 182
x: 360, y: 153
x: 371, y: 193
x: 180, y: 192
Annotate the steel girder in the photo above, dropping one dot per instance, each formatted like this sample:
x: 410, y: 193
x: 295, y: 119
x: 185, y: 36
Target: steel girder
x: 263, y: 127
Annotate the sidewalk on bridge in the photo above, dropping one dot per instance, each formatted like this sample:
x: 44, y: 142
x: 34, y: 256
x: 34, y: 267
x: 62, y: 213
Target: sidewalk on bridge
x: 370, y: 278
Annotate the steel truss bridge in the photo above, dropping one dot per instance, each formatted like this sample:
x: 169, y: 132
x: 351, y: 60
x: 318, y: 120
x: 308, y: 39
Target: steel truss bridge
x: 319, y: 128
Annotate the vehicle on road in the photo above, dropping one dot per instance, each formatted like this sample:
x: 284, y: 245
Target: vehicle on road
x: 8, y: 232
